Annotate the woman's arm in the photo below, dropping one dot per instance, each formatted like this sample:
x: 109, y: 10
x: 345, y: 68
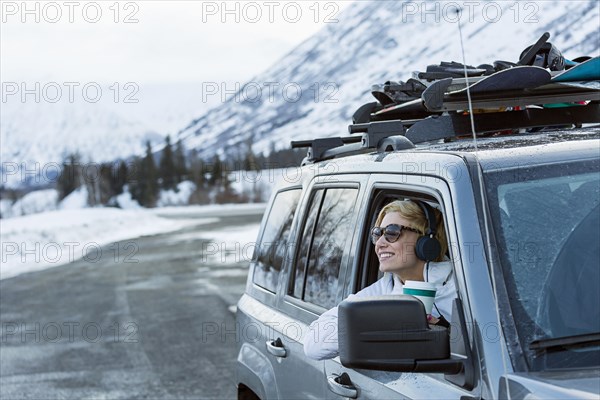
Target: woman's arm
x: 321, y: 341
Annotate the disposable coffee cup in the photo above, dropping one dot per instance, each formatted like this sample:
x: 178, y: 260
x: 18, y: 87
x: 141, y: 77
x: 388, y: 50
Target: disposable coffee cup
x: 423, y: 291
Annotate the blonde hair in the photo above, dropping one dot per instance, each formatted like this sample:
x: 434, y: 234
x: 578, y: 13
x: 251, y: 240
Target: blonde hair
x: 413, y: 213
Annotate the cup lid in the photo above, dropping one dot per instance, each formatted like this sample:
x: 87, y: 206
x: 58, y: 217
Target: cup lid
x: 419, y: 285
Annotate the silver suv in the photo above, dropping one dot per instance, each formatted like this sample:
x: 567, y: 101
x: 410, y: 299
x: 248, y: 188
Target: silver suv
x: 522, y: 216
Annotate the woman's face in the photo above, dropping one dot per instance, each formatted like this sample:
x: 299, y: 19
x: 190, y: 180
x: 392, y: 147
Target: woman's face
x: 399, y: 257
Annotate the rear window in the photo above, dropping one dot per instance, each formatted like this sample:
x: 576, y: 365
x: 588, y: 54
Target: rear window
x: 273, y: 249
x: 326, y: 231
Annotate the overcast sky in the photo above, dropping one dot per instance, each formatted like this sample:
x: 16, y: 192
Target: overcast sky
x: 152, y: 41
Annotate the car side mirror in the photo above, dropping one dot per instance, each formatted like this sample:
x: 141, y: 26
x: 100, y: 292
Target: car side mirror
x: 391, y: 333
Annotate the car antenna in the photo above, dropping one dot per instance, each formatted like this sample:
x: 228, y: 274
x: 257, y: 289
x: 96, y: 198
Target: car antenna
x: 481, y: 190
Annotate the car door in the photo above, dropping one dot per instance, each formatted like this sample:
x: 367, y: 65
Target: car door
x: 261, y: 357
x: 364, y: 384
x: 325, y: 235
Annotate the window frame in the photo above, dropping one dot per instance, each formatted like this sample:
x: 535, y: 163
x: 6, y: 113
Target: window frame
x: 299, y: 308
x: 379, y: 195
x: 256, y: 291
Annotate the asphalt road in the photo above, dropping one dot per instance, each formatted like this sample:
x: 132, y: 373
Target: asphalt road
x: 153, y: 320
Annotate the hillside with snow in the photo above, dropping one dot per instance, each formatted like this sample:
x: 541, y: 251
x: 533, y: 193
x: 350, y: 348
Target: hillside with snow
x: 41, y: 128
x: 314, y: 90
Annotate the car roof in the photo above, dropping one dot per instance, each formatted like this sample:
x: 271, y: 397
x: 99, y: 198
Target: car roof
x: 492, y: 153
x: 549, y: 146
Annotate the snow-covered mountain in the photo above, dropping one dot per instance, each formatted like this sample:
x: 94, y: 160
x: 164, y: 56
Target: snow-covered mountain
x: 44, y: 132
x: 373, y: 42
x: 37, y: 133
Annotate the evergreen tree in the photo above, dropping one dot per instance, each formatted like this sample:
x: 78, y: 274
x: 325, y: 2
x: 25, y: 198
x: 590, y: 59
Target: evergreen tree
x: 197, y: 174
x: 145, y: 189
x: 120, y: 177
x: 99, y: 183
x: 91, y: 179
x: 285, y: 157
x: 249, y: 162
x: 107, y: 185
x: 216, y: 172
x: 181, y: 169
x: 134, y: 183
x: 196, y: 171
x: 70, y: 176
x: 167, y: 171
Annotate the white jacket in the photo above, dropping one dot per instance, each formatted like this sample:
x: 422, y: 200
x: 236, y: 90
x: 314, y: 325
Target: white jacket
x: 321, y: 341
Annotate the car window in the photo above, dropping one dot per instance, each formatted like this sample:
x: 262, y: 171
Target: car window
x: 546, y: 222
x: 273, y: 249
x: 370, y: 270
x: 326, y: 231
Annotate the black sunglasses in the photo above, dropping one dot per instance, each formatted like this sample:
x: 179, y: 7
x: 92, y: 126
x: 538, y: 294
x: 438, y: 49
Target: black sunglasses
x: 391, y: 232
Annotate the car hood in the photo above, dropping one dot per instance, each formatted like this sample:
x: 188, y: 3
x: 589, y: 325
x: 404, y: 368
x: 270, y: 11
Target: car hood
x: 568, y: 384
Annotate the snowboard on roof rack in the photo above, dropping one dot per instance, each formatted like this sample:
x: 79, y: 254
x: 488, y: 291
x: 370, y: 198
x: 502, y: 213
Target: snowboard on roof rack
x: 520, y: 77
x: 586, y: 71
x: 516, y: 79
x: 437, y: 100
x: 541, y: 77
x: 513, y: 87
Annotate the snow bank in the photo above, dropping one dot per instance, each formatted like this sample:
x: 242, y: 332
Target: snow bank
x: 125, y: 201
x: 75, y: 200
x: 5, y: 208
x: 176, y: 198
x: 36, y: 202
x: 50, y: 239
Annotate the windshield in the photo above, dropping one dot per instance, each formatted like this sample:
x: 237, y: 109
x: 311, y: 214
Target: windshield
x: 546, y: 221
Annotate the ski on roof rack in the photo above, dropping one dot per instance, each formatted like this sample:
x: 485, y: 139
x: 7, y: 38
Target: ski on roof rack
x: 495, y: 91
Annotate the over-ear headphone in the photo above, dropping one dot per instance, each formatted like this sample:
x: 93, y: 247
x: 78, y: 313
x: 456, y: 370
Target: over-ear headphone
x: 427, y: 247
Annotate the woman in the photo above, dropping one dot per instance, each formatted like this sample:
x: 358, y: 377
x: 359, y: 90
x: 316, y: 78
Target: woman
x: 396, y: 235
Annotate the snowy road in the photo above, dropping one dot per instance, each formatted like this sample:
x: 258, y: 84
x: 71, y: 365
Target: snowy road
x: 153, y: 320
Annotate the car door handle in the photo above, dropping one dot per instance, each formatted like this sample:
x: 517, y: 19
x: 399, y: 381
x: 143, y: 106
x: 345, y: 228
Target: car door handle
x: 276, y: 348
x: 342, y: 385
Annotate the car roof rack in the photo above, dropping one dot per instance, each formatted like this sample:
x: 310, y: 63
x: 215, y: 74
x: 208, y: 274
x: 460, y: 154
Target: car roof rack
x: 498, y: 104
x: 383, y: 136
